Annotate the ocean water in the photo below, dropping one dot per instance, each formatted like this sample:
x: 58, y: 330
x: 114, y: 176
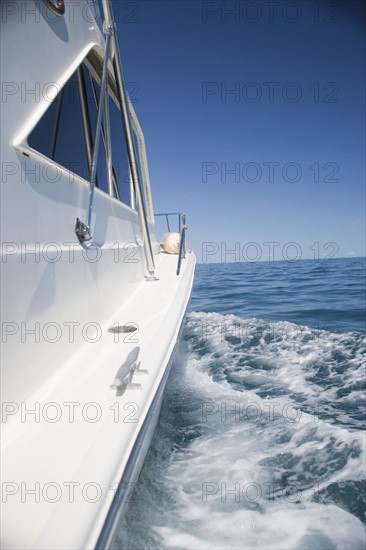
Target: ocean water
x: 261, y: 440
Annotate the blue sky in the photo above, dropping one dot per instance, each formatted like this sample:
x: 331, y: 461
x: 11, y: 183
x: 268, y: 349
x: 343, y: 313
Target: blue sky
x: 254, y: 120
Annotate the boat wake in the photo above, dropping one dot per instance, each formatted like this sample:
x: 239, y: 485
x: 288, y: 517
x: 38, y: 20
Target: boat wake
x: 259, y: 443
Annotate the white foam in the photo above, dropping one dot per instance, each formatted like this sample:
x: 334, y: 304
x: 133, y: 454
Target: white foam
x: 285, y: 528
x: 235, y: 481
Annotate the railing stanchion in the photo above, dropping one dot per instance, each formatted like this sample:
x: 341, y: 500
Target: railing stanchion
x: 82, y: 230
x: 124, y: 105
x: 182, y: 234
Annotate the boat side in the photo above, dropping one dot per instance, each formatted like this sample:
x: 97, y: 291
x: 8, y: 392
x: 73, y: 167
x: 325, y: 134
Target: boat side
x: 61, y: 288
x: 87, y: 338
x: 66, y: 460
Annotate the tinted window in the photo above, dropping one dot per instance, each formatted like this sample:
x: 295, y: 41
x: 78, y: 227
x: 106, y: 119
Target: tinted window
x: 63, y: 118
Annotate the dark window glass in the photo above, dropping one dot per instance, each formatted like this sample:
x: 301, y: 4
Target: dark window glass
x: 69, y: 149
x: 119, y: 152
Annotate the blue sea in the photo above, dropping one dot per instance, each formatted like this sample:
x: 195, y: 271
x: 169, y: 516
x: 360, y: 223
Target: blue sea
x: 261, y: 442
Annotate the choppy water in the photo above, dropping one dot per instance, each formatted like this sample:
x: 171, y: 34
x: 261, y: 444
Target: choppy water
x: 260, y: 442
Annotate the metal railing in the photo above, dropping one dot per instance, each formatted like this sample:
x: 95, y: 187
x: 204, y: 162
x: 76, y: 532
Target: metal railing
x: 182, y: 228
x: 83, y: 229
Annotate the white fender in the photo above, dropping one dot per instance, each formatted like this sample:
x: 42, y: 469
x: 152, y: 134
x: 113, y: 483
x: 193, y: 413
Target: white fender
x: 170, y: 243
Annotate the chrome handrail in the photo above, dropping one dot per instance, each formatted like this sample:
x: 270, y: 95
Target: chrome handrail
x: 167, y: 214
x: 182, y: 241
x: 82, y: 229
x: 103, y: 89
x: 125, y: 112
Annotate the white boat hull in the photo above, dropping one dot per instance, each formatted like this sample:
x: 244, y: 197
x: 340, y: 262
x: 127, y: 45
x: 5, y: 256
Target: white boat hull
x: 80, y: 401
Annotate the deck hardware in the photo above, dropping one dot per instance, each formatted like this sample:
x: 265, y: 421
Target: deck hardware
x: 118, y: 329
x: 151, y: 278
x: 124, y: 375
x: 139, y: 372
x: 133, y: 386
x: 82, y: 231
x: 58, y: 7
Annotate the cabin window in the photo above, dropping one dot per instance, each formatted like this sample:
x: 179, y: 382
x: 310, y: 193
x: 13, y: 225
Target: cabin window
x: 61, y: 133
x: 119, y: 152
x: 68, y: 149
